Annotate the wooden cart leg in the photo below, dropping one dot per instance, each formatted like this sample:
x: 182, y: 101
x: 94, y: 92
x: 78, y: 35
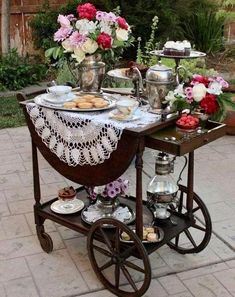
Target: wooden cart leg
x: 139, y: 205
x: 190, y: 193
x: 44, y: 239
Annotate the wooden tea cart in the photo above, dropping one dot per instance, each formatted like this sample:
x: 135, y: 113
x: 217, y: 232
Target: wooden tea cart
x: 105, y: 243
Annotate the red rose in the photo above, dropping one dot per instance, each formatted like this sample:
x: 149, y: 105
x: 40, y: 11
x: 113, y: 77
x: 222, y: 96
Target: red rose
x: 122, y: 23
x: 86, y: 11
x: 209, y: 104
x: 199, y: 79
x: 104, y: 40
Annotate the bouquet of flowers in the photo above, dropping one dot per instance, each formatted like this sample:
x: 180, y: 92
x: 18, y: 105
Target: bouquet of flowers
x: 203, y: 94
x: 119, y: 187
x: 93, y: 32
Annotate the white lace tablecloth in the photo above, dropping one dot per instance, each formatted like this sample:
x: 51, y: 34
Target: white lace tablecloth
x: 80, y: 138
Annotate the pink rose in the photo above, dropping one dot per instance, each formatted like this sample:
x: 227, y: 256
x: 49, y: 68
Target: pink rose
x: 104, y: 40
x: 86, y: 11
x: 122, y: 23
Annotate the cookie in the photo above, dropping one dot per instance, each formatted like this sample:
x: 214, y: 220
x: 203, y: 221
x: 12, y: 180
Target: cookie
x: 69, y: 105
x: 79, y: 100
x: 84, y: 105
x: 100, y: 104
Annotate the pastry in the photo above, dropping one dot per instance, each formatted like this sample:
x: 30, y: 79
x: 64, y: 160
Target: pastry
x: 100, y: 104
x: 66, y: 193
x: 84, y: 105
x: 150, y: 229
x: 152, y: 237
x: 145, y: 233
x: 177, y: 48
x: 125, y: 236
x: 69, y: 105
x: 79, y: 100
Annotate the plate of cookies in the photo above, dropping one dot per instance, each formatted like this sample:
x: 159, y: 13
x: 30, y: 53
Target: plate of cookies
x: 151, y: 234
x: 80, y: 102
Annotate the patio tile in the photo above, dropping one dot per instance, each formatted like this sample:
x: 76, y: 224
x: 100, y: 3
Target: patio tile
x: 9, y: 181
x: 48, y: 224
x: 202, y: 271
x: 4, y: 210
x: 23, y: 246
x: 231, y: 263
x: 2, y: 197
x: 206, y: 286
x: 19, y: 207
x: 172, y: 284
x: 2, y: 290
x: 103, y: 293
x: 49, y: 176
x: 226, y: 230
x: 12, y: 168
x: 67, y: 233
x: 13, y: 268
x: 221, y: 249
x: 182, y: 294
x: 21, y: 287
x: 227, y: 279
x: 56, y: 275
x: 13, y: 227
x: 220, y: 211
x: 9, y: 158
x: 19, y: 193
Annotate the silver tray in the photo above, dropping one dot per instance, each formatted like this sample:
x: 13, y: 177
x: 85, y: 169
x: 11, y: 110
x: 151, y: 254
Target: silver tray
x: 193, y: 55
x: 129, y: 221
x: 158, y: 230
x: 40, y: 101
x: 119, y: 73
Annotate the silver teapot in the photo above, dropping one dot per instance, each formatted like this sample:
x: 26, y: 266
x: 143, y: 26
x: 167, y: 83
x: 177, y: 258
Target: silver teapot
x: 160, y: 79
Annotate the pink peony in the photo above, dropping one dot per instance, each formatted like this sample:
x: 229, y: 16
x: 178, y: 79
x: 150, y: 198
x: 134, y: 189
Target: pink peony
x: 86, y: 11
x: 63, y: 21
x: 62, y: 34
x: 122, y: 23
x: 104, y: 40
x: 77, y: 39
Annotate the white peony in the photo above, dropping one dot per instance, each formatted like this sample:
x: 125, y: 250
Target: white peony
x: 79, y: 55
x: 89, y: 46
x: 67, y: 46
x: 121, y: 34
x: 85, y: 26
x: 199, y: 92
x: 105, y: 27
x: 215, y: 88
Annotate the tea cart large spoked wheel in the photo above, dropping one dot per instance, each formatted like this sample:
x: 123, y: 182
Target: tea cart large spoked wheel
x: 125, y: 271
x: 197, y: 236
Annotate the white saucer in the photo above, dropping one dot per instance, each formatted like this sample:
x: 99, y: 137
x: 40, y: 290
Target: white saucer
x: 62, y: 207
x: 57, y: 100
x: 116, y: 115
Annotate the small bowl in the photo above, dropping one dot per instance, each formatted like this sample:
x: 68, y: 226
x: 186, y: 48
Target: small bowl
x: 67, y: 194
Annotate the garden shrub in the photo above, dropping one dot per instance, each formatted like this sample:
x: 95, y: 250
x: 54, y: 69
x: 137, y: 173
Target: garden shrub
x: 17, y: 72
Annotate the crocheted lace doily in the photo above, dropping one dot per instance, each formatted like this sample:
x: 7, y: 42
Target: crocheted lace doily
x: 81, y: 138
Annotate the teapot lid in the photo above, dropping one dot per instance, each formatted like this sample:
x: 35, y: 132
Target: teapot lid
x: 160, y: 67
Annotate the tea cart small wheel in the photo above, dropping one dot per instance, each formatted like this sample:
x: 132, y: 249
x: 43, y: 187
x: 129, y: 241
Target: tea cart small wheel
x: 44, y: 239
x: 197, y: 236
x: 124, y: 269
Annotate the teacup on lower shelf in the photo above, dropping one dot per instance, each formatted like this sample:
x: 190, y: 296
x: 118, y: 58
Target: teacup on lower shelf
x: 127, y: 106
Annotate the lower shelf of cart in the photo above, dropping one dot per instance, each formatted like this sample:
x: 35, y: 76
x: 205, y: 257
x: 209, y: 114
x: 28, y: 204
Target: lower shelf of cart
x: 75, y: 222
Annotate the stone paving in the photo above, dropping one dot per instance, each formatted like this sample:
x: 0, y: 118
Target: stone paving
x: 25, y: 270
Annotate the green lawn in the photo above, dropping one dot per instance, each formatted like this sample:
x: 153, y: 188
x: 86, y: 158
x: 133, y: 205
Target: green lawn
x: 11, y: 114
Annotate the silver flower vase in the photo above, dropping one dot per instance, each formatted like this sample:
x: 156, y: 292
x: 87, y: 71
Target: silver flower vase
x: 91, y: 74
x: 107, y: 205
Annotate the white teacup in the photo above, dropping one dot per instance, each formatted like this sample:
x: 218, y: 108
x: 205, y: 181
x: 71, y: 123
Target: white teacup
x: 59, y: 91
x: 127, y: 106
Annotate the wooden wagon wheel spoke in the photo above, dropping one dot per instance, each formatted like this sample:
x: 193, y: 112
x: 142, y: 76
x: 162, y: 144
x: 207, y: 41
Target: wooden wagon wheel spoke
x: 106, y: 239
x: 177, y: 240
x: 195, y: 209
x: 128, y: 277
x: 199, y: 227
x: 102, y: 251
x: 201, y: 241
x: 106, y: 265
x: 116, y: 266
x: 117, y: 275
x: 134, y: 266
x: 188, y: 234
